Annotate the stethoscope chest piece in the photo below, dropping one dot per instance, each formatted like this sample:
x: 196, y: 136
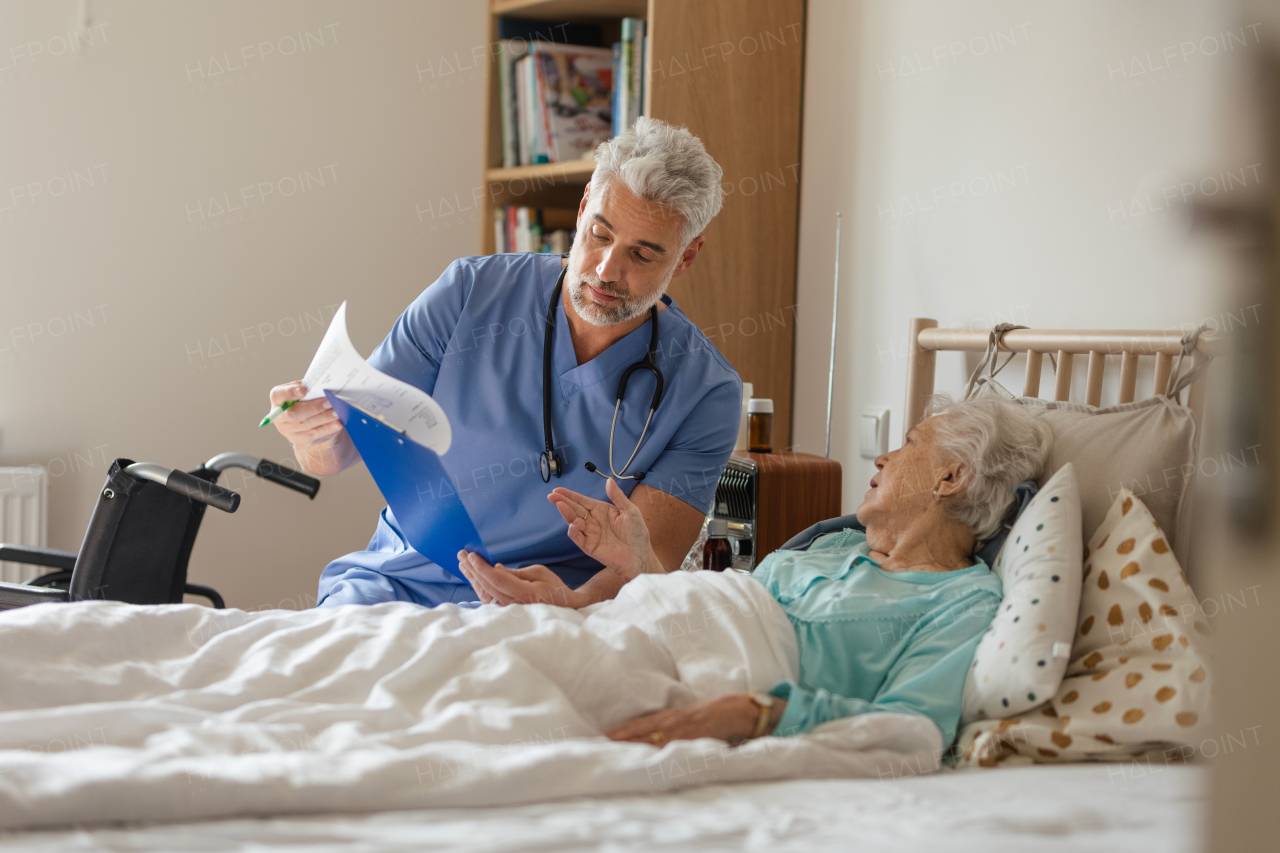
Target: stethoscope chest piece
x: 550, y: 463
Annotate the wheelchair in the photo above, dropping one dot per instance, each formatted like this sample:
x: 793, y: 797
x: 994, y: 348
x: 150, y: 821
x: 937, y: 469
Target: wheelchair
x: 140, y: 535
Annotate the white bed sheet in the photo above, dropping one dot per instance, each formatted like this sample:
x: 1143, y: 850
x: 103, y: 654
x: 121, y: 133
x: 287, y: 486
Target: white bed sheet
x: 116, y: 713
x: 1081, y: 807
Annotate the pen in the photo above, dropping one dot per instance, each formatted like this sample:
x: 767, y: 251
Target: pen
x: 277, y: 412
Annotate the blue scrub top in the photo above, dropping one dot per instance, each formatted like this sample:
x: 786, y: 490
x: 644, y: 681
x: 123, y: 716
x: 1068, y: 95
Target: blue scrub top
x: 474, y: 341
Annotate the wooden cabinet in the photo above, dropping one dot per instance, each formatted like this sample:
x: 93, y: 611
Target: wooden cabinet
x: 730, y: 71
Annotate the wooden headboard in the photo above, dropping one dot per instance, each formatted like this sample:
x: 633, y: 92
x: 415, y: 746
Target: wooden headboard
x: 926, y: 340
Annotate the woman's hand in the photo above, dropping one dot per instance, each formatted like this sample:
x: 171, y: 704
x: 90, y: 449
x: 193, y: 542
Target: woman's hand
x: 615, y: 534
x: 729, y: 718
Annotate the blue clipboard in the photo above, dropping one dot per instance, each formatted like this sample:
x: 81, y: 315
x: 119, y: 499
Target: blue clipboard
x: 417, y: 487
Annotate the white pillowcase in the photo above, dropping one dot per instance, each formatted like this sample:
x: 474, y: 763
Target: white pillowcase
x: 1020, y: 661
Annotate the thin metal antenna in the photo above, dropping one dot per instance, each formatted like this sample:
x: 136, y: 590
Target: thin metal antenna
x: 835, y: 313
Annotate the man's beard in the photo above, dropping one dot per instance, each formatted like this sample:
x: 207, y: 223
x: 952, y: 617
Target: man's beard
x: 624, y: 309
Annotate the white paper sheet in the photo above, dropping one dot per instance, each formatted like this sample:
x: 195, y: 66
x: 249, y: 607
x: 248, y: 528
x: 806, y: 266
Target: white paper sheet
x: 337, y: 367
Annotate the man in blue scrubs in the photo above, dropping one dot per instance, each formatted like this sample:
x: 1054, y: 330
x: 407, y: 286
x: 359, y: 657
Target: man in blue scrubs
x: 474, y: 340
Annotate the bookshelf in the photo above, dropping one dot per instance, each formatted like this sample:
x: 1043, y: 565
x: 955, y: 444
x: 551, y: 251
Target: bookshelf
x: 731, y: 71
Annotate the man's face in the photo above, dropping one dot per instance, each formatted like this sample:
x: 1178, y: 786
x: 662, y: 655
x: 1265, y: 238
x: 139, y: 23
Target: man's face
x: 625, y: 254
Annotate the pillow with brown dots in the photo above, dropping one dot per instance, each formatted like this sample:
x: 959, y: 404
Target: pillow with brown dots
x: 1021, y: 659
x: 1139, y: 675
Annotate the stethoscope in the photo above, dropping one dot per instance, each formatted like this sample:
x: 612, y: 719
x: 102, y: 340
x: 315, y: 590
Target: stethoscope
x: 551, y: 462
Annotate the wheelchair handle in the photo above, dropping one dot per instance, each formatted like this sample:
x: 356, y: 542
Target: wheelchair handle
x: 271, y: 471
x: 185, y: 484
x: 50, y: 557
x: 288, y: 477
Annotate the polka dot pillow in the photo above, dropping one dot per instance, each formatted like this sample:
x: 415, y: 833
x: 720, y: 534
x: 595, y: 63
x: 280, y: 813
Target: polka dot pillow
x: 1139, y: 673
x: 1140, y: 667
x: 1021, y: 659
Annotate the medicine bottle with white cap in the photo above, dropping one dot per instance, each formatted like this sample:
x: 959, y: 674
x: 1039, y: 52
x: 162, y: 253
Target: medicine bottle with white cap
x: 760, y: 425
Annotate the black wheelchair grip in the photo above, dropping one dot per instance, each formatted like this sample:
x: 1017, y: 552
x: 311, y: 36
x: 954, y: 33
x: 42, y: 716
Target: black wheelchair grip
x: 203, y: 491
x: 54, y: 559
x: 288, y: 477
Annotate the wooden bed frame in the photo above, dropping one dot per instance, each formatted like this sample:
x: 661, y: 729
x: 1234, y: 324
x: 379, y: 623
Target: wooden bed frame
x: 926, y: 340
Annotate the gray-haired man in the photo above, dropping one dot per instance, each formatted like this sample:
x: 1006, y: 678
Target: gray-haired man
x: 476, y: 341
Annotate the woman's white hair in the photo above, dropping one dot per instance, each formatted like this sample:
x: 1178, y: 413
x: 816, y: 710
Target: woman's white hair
x: 665, y: 164
x: 1001, y: 444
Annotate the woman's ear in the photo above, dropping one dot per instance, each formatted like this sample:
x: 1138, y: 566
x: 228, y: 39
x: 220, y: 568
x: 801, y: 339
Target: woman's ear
x: 951, y: 479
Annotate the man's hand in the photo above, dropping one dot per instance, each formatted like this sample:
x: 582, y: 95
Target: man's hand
x: 728, y: 718
x: 530, y: 585
x: 304, y: 424
x: 320, y: 444
x: 614, y: 534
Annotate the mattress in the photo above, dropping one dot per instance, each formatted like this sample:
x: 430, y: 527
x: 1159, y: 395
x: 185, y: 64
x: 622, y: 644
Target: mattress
x: 1084, y: 807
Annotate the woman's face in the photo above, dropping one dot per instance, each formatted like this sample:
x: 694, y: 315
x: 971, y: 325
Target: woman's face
x: 905, y: 479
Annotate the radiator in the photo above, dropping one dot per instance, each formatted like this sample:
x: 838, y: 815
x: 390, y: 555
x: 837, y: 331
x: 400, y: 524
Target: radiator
x: 769, y: 497
x: 24, y: 513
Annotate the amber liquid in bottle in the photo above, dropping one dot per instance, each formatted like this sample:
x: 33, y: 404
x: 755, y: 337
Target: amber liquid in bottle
x: 717, y: 554
x: 760, y: 432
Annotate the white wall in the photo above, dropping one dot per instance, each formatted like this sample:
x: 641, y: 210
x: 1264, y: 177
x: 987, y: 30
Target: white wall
x: 388, y: 111
x: 990, y: 159
x: 381, y: 101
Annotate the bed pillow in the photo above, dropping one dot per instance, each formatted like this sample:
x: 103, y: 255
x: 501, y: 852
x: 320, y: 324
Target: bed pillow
x: 1021, y: 659
x: 1148, y: 447
x: 1139, y: 674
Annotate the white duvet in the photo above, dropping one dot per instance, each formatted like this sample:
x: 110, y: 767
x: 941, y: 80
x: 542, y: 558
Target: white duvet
x: 112, y: 712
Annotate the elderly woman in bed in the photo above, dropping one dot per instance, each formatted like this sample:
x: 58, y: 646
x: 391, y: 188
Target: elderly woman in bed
x: 887, y: 620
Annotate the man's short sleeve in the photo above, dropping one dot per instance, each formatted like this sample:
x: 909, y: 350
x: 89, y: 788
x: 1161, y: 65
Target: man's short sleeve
x: 689, y: 468
x: 416, y: 344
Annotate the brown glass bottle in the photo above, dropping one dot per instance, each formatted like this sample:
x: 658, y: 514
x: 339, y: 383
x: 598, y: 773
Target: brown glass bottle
x: 717, y: 554
x: 760, y: 425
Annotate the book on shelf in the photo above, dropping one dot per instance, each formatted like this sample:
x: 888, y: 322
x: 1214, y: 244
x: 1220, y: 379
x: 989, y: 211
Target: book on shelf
x: 629, y: 74
x: 574, y: 88
x: 510, y: 157
x: 556, y: 101
x: 520, y: 229
x: 526, y: 138
x: 615, y: 102
x: 637, y: 70
x: 524, y: 230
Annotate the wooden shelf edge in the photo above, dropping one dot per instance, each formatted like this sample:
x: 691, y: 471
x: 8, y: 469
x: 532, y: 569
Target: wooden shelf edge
x: 570, y: 172
x: 506, y: 7
x: 570, y: 8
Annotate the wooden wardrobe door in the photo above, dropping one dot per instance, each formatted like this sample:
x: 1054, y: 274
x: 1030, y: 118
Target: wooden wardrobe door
x: 731, y: 71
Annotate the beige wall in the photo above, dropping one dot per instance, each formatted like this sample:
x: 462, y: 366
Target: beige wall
x: 121, y: 298
x: 986, y: 157
x: 1065, y: 113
